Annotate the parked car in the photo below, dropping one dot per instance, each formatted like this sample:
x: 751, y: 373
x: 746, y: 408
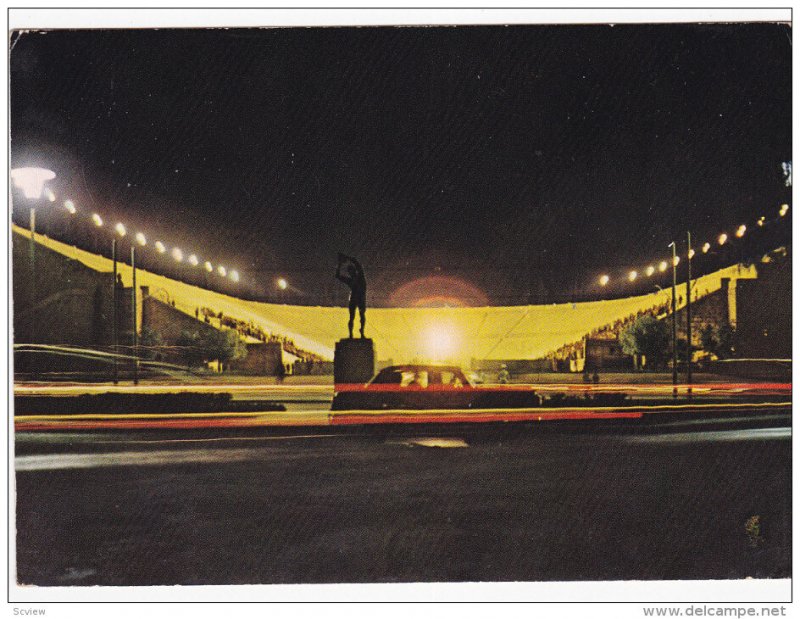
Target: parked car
x: 429, y: 387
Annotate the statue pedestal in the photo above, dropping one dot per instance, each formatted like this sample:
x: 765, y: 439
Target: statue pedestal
x: 353, y: 360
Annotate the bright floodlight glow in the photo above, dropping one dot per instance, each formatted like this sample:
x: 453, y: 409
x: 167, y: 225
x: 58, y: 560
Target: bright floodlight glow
x: 177, y: 254
x: 208, y: 266
x: 193, y: 260
x: 160, y: 247
x: 222, y: 270
x: 723, y: 238
x: 440, y: 342
x: 741, y: 230
x: 31, y: 180
x: 662, y: 266
x: 691, y: 254
x: 676, y: 260
x: 784, y: 210
x: 140, y: 238
x: 50, y: 195
x: 706, y: 247
x: 70, y: 206
x: 650, y: 270
x: 632, y: 276
x: 282, y: 284
x: 120, y: 229
x: 235, y: 276
x: 604, y: 280
x: 98, y: 221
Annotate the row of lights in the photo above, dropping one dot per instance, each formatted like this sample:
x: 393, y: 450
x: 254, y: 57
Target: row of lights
x: 176, y: 253
x: 721, y: 240
x: 31, y: 181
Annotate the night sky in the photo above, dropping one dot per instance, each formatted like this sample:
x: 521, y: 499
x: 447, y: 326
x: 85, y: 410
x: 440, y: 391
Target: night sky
x: 522, y: 160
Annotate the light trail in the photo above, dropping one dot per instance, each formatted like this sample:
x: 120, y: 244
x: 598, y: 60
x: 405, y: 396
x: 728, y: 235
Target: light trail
x: 185, y: 421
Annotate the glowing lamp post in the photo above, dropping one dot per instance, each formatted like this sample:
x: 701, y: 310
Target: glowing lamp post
x: 675, y: 260
x: 31, y: 181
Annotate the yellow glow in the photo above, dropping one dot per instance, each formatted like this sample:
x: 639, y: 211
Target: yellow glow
x: 496, y: 333
x: 676, y: 260
x: 120, y: 229
x: 723, y: 238
x: 650, y: 270
x: 691, y: 254
x: 706, y: 247
x: 140, y: 238
x: 70, y: 206
x: 98, y: 221
x: 208, y: 266
x: 632, y: 276
x: 177, y: 254
x: 440, y: 342
x: 160, y: 247
x: 784, y: 209
x: 603, y: 280
x: 193, y: 260
x: 740, y: 232
x: 31, y: 180
x: 222, y: 270
x: 282, y: 284
x: 235, y: 276
x: 662, y: 266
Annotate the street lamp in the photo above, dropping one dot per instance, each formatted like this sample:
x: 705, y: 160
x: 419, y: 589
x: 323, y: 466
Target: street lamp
x: 282, y: 286
x: 690, y: 253
x: 674, y: 322
x: 31, y: 181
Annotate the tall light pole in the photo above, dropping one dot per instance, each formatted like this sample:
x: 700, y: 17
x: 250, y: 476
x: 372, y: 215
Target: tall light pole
x: 114, y: 307
x: 135, y: 338
x: 689, y: 254
x: 31, y: 181
x: 674, y: 323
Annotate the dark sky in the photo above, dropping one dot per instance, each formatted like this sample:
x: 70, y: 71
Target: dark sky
x: 524, y: 160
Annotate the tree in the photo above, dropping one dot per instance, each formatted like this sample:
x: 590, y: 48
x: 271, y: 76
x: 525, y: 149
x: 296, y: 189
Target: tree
x: 191, y: 349
x: 646, y: 337
x: 718, y: 340
x: 150, y: 341
x: 223, y: 345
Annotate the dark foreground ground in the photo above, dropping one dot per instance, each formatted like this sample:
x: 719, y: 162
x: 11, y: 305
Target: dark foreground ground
x: 681, y: 500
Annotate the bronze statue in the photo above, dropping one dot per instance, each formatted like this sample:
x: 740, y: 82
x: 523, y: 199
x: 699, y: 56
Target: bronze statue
x: 358, y: 289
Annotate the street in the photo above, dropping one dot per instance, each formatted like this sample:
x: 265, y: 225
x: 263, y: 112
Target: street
x: 689, y: 498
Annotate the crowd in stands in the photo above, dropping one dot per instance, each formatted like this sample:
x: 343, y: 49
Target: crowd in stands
x: 611, y: 331
x: 251, y: 330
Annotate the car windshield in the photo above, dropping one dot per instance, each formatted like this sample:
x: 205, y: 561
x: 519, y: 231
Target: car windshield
x: 421, y: 377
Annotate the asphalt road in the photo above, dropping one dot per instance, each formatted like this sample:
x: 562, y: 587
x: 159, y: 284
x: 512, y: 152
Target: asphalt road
x: 677, y: 499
